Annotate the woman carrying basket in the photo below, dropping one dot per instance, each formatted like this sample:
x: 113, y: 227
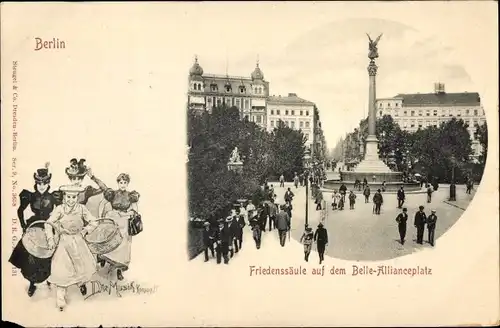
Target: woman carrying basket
x: 42, y: 203
x: 73, y: 263
x: 122, y: 207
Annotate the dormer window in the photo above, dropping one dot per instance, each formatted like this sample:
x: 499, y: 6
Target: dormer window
x: 242, y: 89
x: 213, y: 87
x: 227, y: 86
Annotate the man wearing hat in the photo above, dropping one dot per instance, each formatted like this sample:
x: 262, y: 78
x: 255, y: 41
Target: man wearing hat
x: 283, y: 224
x: 401, y: 197
x: 378, y: 200
x: 321, y: 239
x: 208, y: 240
x: 236, y: 232
x: 307, y: 239
x: 256, y: 232
x: 273, y: 210
x: 223, y: 238
x: 401, y: 220
x: 420, y: 219
x: 431, y: 226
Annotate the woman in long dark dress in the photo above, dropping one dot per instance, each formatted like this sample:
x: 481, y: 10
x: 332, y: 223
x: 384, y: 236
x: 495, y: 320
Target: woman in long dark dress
x: 41, y: 202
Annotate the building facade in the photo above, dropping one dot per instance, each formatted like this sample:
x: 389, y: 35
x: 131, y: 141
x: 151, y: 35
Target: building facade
x: 420, y: 110
x: 295, y: 112
x: 248, y: 94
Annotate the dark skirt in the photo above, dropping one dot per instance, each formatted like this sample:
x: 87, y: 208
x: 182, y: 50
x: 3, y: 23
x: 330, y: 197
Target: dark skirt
x: 34, y: 269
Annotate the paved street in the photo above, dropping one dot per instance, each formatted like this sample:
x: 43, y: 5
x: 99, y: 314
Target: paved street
x: 360, y: 235
x: 354, y: 234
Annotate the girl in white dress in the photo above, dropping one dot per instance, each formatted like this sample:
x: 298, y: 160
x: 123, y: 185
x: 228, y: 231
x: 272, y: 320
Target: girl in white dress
x: 73, y: 263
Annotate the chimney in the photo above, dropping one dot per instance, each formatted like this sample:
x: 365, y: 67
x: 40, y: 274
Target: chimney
x: 439, y: 88
x: 292, y: 94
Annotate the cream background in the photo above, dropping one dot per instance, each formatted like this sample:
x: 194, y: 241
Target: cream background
x: 116, y: 96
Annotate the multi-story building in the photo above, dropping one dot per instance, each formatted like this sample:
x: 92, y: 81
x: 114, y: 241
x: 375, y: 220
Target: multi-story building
x: 420, y: 110
x: 295, y: 112
x: 248, y: 94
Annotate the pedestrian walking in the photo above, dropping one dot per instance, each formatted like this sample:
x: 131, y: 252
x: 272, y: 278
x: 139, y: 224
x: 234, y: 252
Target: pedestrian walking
x: 288, y: 210
x: 383, y: 186
x: 319, y: 200
x: 307, y: 240
x: 335, y: 199
x: 401, y: 219
x: 296, y: 180
x: 343, y: 191
x: 366, y: 193
x: 231, y: 231
x: 352, y: 199
x: 420, y: 219
x: 223, y: 239
x: 431, y: 226
x: 251, y: 210
x: 365, y: 183
x: 283, y: 225
x: 378, y: 200
x: 236, y: 232
x: 256, y: 233
x: 429, y: 193
x: 289, y: 196
x: 321, y: 239
x: 401, y: 197
x: 208, y: 240
x: 282, y: 181
x: 273, y: 210
x: 470, y: 185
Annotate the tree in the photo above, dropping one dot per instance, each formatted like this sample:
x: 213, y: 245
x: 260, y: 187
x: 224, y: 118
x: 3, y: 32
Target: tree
x: 482, y: 136
x: 287, y: 147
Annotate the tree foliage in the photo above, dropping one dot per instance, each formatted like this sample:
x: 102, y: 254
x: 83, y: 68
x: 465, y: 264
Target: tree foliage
x: 213, y: 188
x: 433, y: 151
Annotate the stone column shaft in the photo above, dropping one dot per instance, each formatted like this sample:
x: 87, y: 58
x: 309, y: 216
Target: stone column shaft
x: 372, y: 111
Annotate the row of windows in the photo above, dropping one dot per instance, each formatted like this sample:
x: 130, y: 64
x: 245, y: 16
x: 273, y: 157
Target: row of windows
x: 290, y: 112
x: 428, y: 112
x: 228, y: 88
x: 388, y: 105
x: 291, y: 124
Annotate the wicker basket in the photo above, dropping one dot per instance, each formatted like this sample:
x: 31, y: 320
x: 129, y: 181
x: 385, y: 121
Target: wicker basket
x: 105, y: 238
x: 35, y: 240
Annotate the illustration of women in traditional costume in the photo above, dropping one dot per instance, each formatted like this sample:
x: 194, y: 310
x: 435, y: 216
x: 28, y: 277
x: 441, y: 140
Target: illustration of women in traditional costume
x: 76, y: 172
x: 41, y: 203
x: 121, y: 207
x: 73, y: 262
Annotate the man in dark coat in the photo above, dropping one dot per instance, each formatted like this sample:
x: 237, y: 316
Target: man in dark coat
x: 223, y: 238
x: 420, y: 219
x: 401, y: 197
x: 273, y: 210
x: 401, y: 220
x: 256, y: 232
x: 242, y: 224
x: 343, y: 191
x: 208, y: 240
x: 289, y: 196
x: 321, y: 239
x: 366, y: 193
x: 378, y: 200
x: 236, y: 232
x: 283, y: 224
x: 431, y: 226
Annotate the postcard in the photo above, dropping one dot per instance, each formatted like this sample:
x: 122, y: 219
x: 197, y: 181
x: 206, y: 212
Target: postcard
x: 250, y: 164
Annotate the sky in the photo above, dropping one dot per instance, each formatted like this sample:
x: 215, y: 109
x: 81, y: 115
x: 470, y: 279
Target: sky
x: 327, y: 64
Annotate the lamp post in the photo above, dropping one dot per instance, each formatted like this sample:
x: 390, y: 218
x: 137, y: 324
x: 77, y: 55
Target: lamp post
x: 453, y: 188
x: 307, y: 159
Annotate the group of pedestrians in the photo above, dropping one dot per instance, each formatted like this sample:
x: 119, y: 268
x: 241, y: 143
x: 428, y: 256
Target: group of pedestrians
x: 420, y: 220
x: 226, y: 239
x: 320, y: 237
